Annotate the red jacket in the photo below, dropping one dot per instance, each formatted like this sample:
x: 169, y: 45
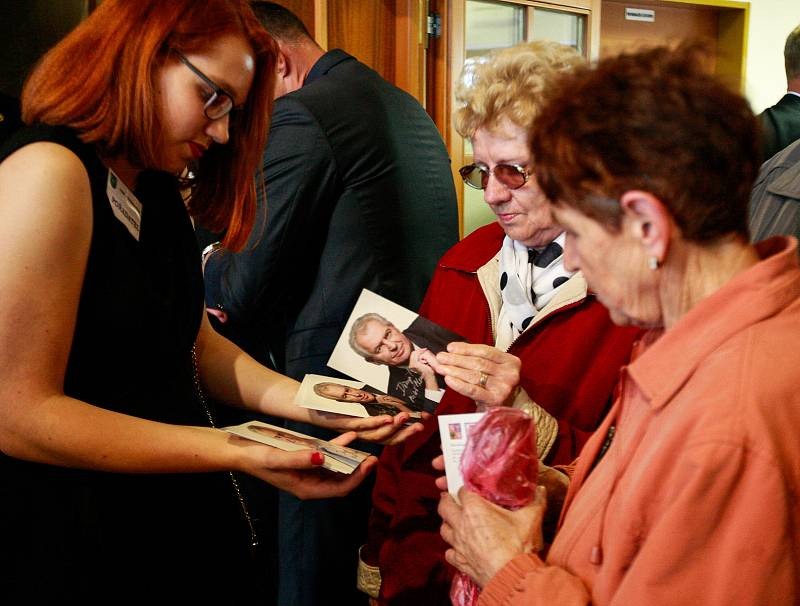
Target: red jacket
x: 570, y: 366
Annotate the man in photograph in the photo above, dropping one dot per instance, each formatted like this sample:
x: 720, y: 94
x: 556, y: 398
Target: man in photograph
x: 375, y: 402
x: 410, y: 355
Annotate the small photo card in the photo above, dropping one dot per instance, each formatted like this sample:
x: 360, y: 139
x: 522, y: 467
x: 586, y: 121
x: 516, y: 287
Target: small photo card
x: 455, y: 431
x: 352, y: 398
x: 337, y: 458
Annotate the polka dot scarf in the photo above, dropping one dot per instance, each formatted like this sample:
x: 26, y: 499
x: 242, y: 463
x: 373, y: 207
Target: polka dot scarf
x: 528, y: 281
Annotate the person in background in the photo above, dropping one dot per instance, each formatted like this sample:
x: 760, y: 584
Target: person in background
x: 359, y: 194
x: 114, y: 481
x: 506, y: 287
x: 774, y: 207
x: 649, y: 161
x: 780, y: 124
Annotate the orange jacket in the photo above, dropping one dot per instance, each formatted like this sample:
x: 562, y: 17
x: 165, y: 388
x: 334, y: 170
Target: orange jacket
x: 696, y: 500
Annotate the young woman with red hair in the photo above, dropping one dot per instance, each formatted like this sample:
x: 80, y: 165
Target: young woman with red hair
x: 104, y: 342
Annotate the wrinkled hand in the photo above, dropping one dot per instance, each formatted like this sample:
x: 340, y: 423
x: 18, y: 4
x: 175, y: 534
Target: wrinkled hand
x: 383, y: 429
x: 463, y: 363
x: 423, y: 361
x: 485, y: 537
x: 438, y: 465
x: 299, y: 472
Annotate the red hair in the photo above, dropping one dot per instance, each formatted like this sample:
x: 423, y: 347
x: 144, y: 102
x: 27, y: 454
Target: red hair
x: 100, y: 81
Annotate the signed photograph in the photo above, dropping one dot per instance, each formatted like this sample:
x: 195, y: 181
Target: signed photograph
x: 389, y: 347
x: 352, y: 398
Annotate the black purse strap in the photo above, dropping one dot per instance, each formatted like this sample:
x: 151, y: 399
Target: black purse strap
x: 201, y: 397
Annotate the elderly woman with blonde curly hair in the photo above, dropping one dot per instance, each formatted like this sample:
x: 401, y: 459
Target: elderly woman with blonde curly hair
x: 505, y: 287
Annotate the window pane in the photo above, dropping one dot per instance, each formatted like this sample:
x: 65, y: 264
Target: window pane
x: 489, y: 25
x: 476, y: 212
x: 558, y: 26
x: 492, y: 25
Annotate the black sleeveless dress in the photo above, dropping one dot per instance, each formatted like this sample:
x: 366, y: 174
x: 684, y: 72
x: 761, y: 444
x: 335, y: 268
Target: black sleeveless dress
x: 106, y: 537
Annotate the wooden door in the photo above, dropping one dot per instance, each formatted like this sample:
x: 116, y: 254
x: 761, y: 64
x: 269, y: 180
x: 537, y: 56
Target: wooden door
x: 720, y: 23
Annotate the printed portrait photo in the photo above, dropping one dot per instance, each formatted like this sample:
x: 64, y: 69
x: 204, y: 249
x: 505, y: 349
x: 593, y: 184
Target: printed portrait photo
x: 394, y: 349
x: 352, y: 398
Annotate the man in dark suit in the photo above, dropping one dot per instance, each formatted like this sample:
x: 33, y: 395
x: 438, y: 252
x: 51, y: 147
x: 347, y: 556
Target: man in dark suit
x: 780, y: 123
x: 408, y: 354
x: 359, y: 194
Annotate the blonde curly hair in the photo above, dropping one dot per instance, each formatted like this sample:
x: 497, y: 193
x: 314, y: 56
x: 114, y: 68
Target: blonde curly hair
x: 508, y: 84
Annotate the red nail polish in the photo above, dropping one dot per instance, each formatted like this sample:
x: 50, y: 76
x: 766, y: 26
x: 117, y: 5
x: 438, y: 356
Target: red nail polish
x: 317, y: 458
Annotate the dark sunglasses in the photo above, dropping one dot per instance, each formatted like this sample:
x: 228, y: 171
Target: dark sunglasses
x: 513, y: 176
x: 220, y: 103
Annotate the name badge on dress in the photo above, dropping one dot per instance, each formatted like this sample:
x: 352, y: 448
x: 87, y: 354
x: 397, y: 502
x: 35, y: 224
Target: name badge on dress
x: 125, y: 205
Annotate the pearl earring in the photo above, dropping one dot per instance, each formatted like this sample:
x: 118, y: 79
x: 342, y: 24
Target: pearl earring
x: 653, y: 263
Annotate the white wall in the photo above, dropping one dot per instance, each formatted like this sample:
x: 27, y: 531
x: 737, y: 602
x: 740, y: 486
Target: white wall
x: 770, y: 23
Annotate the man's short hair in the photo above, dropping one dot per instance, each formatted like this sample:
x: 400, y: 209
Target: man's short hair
x: 281, y: 23
x: 358, y: 328
x: 791, y: 54
x: 321, y: 388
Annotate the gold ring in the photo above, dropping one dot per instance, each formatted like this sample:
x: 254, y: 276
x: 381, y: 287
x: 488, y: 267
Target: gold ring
x: 483, y: 379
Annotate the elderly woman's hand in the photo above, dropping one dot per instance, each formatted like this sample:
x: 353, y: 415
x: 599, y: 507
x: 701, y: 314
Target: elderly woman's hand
x: 438, y: 465
x: 485, y: 537
x: 480, y: 372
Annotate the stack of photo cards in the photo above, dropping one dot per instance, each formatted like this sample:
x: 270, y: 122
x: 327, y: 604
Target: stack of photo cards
x: 351, y: 398
x: 337, y: 458
x: 390, y: 349
x: 454, y: 431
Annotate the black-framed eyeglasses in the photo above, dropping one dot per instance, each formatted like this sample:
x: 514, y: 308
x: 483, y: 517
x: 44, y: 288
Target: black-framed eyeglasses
x: 476, y: 175
x: 220, y: 103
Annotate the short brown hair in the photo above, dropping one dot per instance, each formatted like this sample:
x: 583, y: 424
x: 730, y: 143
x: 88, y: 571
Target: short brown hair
x: 657, y: 121
x: 281, y: 23
x: 100, y: 81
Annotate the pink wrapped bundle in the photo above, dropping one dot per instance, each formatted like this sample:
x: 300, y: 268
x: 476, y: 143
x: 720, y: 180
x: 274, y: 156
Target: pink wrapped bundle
x: 501, y: 465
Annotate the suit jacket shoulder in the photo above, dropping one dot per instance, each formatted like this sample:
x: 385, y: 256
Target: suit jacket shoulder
x: 780, y: 125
